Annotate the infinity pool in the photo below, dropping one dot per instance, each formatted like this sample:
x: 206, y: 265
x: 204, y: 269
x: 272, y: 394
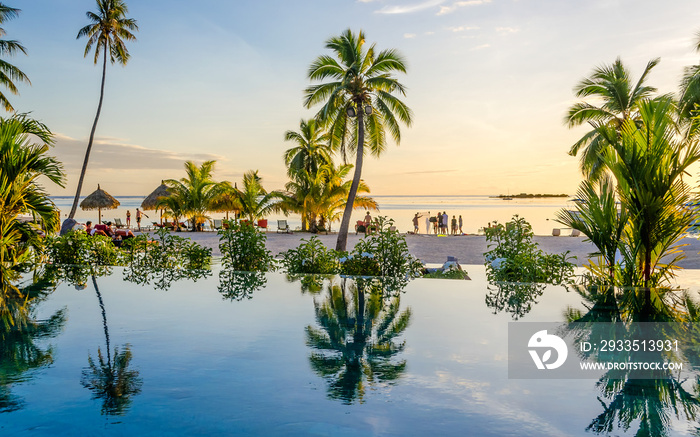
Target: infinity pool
x: 308, y: 357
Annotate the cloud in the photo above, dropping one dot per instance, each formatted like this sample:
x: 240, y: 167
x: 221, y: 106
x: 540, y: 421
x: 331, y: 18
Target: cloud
x: 462, y: 28
x: 115, y: 153
x: 507, y: 30
x: 407, y: 9
x: 481, y: 47
x: 409, y: 35
x: 444, y: 10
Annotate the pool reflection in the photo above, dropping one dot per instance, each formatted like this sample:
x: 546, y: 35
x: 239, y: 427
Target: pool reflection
x: 20, y: 334
x: 356, y: 341
x: 650, y: 405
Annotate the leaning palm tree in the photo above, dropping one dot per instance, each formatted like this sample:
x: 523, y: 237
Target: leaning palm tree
x: 9, y: 74
x: 107, y: 32
x: 620, y: 99
x: 311, y: 150
x: 358, y: 97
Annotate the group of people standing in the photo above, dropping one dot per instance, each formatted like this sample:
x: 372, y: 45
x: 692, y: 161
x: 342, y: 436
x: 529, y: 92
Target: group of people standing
x: 439, y: 223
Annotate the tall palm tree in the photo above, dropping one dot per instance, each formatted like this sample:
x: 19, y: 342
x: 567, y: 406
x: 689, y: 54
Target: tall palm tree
x: 311, y: 150
x: 612, y: 85
x: 9, y: 74
x: 690, y: 87
x: 358, y: 97
x: 255, y: 201
x: 195, y: 192
x: 23, y: 163
x: 107, y: 32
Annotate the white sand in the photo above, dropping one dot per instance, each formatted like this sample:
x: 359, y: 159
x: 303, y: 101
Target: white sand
x: 469, y: 249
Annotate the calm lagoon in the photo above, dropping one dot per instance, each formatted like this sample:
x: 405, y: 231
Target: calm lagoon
x: 207, y: 359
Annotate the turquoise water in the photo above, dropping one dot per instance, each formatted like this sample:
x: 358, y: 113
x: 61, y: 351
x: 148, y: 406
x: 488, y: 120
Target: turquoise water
x: 244, y: 354
x: 476, y: 211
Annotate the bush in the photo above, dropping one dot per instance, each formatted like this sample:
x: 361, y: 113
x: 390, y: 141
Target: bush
x: 382, y: 254
x: 311, y: 256
x: 514, y: 257
x: 78, y: 248
x: 168, y: 251
x: 243, y: 248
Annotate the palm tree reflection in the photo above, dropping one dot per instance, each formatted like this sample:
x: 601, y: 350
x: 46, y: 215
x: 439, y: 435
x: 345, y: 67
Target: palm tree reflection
x: 355, y: 343
x: 20, y: 355
x: 627, y: 401
x: 110, y: 379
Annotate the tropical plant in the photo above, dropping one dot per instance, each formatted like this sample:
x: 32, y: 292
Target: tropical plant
x: 9, y: 74
x: 357, y: 339
x: 243, y: 248
x: 255, y: 201
x: 78, y: 248
x: 514, y: 257
x: 311, y: 256
x: 648, y: 163
x: 22, y: 165
x: 612, y: 85
x: 194, y: 194
x: 690, y: 87
x: 107, y: 32
x: 359, y: 97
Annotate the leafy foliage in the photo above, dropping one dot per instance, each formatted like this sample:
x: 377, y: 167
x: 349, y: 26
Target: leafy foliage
x: 514, y: 257
x: 79, y: 248
x: 311, y: 256
x: 243, y: 248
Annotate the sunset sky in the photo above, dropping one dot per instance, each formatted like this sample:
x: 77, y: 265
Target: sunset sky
x: 489, y: 82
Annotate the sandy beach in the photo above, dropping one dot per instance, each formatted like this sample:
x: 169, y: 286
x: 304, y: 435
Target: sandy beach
x: 469, y: 249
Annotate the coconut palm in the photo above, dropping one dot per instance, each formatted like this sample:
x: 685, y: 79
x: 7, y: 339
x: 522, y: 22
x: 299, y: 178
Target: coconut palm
x: 107, y: 32
x: 311, y: 150
x: 9, y: 74
x: 690, y: 87
x: 23, y: 163
x: 359, y: 97
x: 255, y: 201
x: 612, y: 85
x: 194, y: 193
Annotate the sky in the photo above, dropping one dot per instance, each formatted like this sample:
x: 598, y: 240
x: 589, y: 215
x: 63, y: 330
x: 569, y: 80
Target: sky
x: 489, y: 82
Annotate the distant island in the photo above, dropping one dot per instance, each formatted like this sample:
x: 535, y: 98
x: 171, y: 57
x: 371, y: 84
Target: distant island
x: 529, y: 196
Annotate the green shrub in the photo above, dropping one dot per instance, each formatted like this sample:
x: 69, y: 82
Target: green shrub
x: 167, y: 251
x: 311, y: 256
x: 243, y: 248
x: 78, y: 248
x: 514, y: 257
x: 382, y: 254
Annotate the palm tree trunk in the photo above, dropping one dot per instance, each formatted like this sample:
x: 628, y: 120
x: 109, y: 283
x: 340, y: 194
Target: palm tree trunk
x: 104, y: 319
x: 92, y: 136
x: 342, y: 242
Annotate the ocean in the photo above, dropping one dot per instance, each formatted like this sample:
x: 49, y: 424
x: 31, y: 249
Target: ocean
x: 476, y: 211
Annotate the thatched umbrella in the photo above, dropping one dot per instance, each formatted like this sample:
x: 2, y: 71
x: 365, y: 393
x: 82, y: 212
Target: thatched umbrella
x: 99, y: 200
x: 150, y: 202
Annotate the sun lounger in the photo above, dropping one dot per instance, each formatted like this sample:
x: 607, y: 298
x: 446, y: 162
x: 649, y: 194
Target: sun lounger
x: 556, y: 232
x: 282, y: 226
x: 575, y: 233
x: 118, y: 223
x: 262, y: 224
x: 218, y: 224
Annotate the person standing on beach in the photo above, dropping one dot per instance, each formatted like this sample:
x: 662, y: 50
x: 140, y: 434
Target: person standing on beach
x: 460, y: 225
x: 415, y: 223
x: 454, y: 225
x: 128, y: 218
x: 427, y: 224
x: 139, y: 214
x: 445, y: 220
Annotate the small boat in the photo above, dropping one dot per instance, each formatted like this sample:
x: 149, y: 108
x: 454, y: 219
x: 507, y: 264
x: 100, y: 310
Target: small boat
x: 507, y: 198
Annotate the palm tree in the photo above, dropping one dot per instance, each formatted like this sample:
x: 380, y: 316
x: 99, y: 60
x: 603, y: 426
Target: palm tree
x: 8, y: 72
x: 312, y: 149
x: 690, y: 87
x: 195, y: 192
x: 23, y: 164
x: 333, y: 196
x: 358, y: 97
x: 107, y: 32
x: 620, y: 102
x: 255, y: 201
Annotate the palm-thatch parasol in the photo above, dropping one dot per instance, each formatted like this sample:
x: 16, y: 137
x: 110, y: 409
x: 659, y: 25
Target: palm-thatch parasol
x: 150, y: 202
x: 99, y: 200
